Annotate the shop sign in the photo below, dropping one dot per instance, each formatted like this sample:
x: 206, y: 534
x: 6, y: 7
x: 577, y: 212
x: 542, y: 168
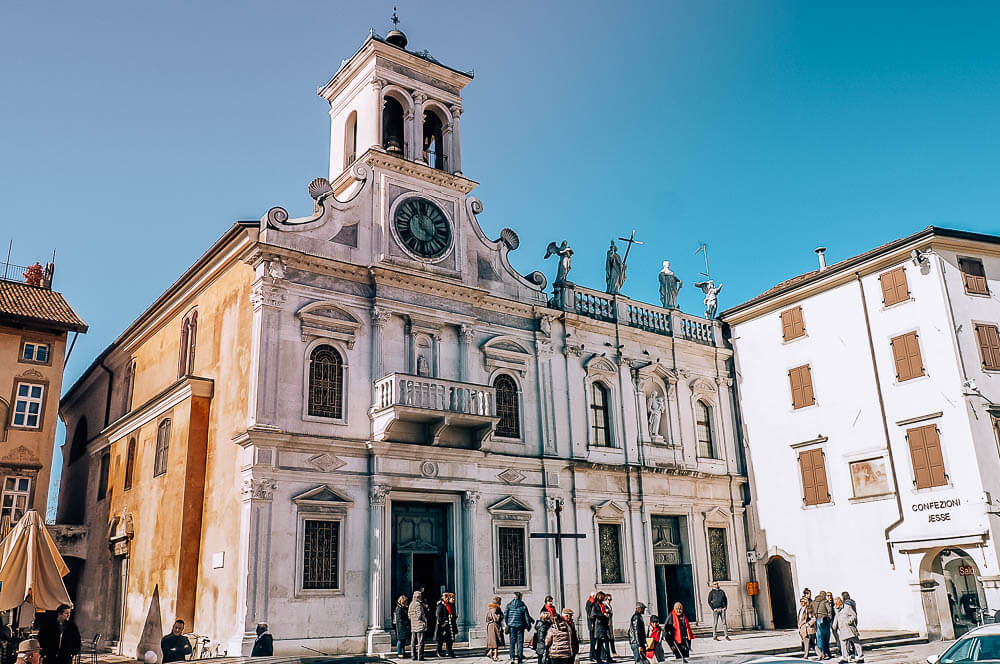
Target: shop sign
x: 938, y: 510
x: 967, y: 570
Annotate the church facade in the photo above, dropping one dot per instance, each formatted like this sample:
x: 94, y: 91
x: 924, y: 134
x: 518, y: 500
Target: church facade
x: 327, y: 412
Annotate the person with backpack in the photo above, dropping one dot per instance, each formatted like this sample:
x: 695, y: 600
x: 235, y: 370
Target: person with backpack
x: 518, y: 621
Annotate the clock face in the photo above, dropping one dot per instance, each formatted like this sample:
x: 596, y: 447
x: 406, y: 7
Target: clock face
x: 422, y: 228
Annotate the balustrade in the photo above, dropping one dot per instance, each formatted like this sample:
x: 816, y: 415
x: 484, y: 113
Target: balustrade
x: 435, y: 394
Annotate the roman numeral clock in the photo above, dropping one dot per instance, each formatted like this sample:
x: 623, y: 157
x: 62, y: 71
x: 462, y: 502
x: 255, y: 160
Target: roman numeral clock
x: 422, y: 228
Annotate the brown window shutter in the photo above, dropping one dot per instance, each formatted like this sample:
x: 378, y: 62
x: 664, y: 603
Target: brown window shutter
x: 906, y: 356
x: 916, y: 363
x: 808, y: 485
x: 786, y: 325
x: 988, y: 338
x: 918, y: 456
x: 894, y: 287
x: 792, y: 326
x: 973, y: 276
x: 801, y: 384
x: 800, y: 326
x: 899, y: 357
x: 902, y: 288
x: 807, y: 387
x: 819, y: 477
x: 935, y: 459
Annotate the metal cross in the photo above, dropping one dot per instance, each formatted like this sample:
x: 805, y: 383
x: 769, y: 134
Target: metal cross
x: 559, y: 536
x: 395, y: 18
x: 631, y: 240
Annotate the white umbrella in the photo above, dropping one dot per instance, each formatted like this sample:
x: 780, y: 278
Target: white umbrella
x: 31, y: 568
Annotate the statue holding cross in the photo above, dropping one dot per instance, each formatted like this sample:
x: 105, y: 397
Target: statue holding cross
x: 616, y: 265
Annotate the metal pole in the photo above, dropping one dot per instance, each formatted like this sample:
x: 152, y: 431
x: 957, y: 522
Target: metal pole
x: 562, y: 585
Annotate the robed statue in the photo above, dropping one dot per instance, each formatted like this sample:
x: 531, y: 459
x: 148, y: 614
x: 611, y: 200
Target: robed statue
x: 614, y: 271
x: 711, y: 296
x: 565, y: 255
x: 656, y: 407
x: 670, y: 287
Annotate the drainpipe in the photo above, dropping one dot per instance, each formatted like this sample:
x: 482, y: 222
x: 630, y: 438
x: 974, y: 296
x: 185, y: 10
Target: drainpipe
x: 885, y: 424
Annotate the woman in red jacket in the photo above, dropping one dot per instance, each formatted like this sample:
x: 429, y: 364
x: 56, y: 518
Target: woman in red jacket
x: 677, y: 632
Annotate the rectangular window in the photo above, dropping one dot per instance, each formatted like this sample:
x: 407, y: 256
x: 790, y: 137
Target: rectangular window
x: 719, y: 552
x: 815, y: 490
x: 35, y: 352
x: 321, y: 555
x: 102, y: 480
x: 906, y: 355
x: 988, y: 339
x: 609, y: 540
x: 16, y: 492
x: 802, y: 386
x: 792, y: 326
x: 894, y: 287
x: 28, y: 406
x: 162, y: 448
x: 926, y: 456
x: 973, y: 276
x: 510, y: 552
x: 868, y: 478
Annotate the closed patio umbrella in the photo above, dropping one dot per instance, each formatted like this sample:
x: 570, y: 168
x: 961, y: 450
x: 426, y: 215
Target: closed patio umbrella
x: 5, y: 526
x: 31, y: 568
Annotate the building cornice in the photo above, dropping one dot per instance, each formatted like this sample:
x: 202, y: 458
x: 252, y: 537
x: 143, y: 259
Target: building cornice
x: 377, y: 158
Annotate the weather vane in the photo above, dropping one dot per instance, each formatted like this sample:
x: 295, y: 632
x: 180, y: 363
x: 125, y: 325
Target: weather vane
x: 395, y: 18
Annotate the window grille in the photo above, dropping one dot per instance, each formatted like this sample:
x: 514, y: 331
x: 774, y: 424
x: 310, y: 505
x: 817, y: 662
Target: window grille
x: 508, y: 408
x: 510, y: 546
x: 320, y: 555
x: 719, y: 553
x: 162, y: 448
x: 326, y: 383
x: 609, y: 536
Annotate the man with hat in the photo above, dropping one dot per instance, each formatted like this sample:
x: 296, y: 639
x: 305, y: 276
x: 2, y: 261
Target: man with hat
x: 29, y: 652
x: 637, y: 634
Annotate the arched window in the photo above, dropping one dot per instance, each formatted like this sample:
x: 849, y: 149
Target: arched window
x: 326, y: 383
x: 508, y: 407
x: 189, y: 335
x: 128, y: 383
x: 4, y: 416
x: 162, y: 448
x: 600, y: 429
x: 392, y: 125
x: 351, y: 139
x: 78, y: 447
x: 703, y: 430
x: 129, y: 464
x: 433, y: 140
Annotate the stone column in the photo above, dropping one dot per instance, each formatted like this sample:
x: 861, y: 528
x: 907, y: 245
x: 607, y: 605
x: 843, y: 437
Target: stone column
x: 471, y: 607
x: 377, y: 85
x: 267, y: 296
x: 417, y: 128
x: 257, y: 494
x: 456, y: 140
x: 380, y: 318
x: 465, y: 336
x: 379, y: 640
x: 436, y: 355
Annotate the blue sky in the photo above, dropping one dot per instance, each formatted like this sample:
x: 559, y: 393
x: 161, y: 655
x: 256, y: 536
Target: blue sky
x: 133, y: 134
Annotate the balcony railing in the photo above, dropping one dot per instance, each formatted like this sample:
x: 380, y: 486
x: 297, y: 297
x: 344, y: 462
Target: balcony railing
x: 33, y: 275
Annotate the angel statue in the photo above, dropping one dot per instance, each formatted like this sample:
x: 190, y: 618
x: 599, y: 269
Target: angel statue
x: 565, y: 255
x: 711, y: 296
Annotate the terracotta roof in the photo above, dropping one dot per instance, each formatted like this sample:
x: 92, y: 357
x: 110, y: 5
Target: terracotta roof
x: 790, y: 284
x: 27, y: 305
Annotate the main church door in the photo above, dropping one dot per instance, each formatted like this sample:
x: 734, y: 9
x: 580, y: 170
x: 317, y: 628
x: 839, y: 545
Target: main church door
x: 672, y: 566
x: 420, y: 550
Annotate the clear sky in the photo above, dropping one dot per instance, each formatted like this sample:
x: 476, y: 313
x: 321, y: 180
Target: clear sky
x: 132, y: 134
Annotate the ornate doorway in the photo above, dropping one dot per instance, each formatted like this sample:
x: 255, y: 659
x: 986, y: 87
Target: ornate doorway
x: 420, y: 550
x: 782, y: 593
x: 672, y: 565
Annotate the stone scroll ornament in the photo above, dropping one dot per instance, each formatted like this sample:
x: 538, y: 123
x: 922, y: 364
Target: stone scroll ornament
x: 711, y: 292
x: 327, y: 208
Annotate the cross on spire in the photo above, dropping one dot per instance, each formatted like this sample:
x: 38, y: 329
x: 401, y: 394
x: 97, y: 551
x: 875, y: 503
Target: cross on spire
x: 395, y: 18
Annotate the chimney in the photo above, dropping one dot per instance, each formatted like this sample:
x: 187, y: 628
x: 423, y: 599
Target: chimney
x: 821, y: 252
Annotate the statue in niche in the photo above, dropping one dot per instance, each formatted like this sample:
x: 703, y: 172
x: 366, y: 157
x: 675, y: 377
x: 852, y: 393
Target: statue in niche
x: 422, y: 368
x: 614, y: 271
x: 565, y: 255
x: 670, y: 287
x: 656, y: 406
x: 711, y: 292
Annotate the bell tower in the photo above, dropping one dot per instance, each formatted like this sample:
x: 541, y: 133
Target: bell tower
x: 398, y: 101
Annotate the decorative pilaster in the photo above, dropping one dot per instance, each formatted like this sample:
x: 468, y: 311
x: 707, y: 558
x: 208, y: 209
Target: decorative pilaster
x: 380, y: 318
x: 267, y: 296
x: 417, y: 128
x: 465, y: 336
x: 377, y: 85
x: 378, y: 638
x: 470, y: 501
x: 456, y: 140
x: 257, y: 494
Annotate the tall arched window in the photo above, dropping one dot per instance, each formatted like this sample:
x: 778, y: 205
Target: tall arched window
x: 130, y: 464
x: 128, y: 383
x: 4, y: 416
x: 600, y: 424
x: 351, y: 139
x: 703, y: 430
x: 78, y: 447
x: 392, y: 125
x: 326, y: 383
x: 162, y: 448
x: 189, y: 335
x: 433, y: 140
x: 508, y: 407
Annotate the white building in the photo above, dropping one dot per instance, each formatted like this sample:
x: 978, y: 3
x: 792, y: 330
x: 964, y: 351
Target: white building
x: 372, y: 399
x: 869, y: 391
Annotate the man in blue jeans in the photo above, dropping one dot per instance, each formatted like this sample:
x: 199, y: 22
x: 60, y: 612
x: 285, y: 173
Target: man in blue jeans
x: 824, y: 615
x: 518, y: 620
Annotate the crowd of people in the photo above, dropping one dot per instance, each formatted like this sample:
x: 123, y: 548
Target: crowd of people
x: 827, y: 622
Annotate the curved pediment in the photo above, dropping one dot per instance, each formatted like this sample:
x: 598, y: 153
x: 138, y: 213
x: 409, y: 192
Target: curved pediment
x: 702, y: 385
x: 328, y: 320
x: 600, y: 365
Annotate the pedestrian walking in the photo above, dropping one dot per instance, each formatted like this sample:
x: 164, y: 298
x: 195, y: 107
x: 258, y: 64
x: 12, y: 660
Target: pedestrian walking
x: 60, y: 639
x: 175, y: 646
x: 417, y: 613
x: 561, y: 643
x: 550, y: 607
x: 518, y: 620
x: 847, y: 627
x: 263, y: 645
x: 678, y: 632
x: 654, y: 640
x: 834, y: 630
x: 401, y: 624
x: 494, y: 629
x: 846, y: 596
x: 446, y: 625
x: 591, y: 602
x: 542, y: 626
x: 718, y: 601
x: 29, y: 651
x: 602, y: 631
x: 807, y: 626
x: 637, y: 634
x: 822, y: 609
x: 611, y: 626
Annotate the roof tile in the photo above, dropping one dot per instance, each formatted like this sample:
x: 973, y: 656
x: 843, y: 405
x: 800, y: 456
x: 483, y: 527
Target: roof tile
x: 32, y: 304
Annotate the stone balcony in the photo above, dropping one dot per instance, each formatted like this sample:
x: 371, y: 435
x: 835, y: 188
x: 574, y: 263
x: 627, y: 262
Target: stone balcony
x: 618, y: 308
x: 432, y: 411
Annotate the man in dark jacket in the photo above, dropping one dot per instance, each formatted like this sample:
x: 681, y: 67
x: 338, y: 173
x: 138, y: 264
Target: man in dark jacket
x: 263, y: 645
x: 60, y: 639
x: 602, y: 631
x: 589, y: 608
x: 719, y: 602
x: 175, y: 645
x: 637, y: 634
x: 824, y: 616
x: 518, y: 620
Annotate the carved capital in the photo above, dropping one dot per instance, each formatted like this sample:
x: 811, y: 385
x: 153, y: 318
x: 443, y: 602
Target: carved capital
x: 574, y: 350
x: 378, y: 494
x: 470, y: 499
x: 552, y: 503
x: 378, y: 83
x: 419, y: 97
x: 267, y: 293
x: 456, y: 111
x: 258, y: 489
x: 380, y: 317
x: 466, y: 333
